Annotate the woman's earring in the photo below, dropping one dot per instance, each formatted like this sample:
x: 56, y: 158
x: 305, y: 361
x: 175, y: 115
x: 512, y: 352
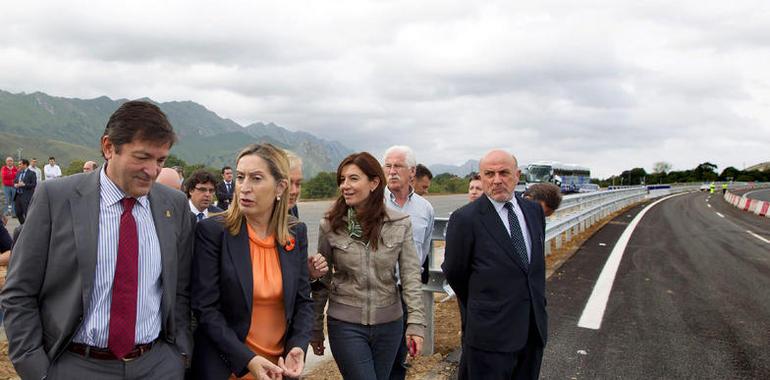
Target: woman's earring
x: 278, y: 198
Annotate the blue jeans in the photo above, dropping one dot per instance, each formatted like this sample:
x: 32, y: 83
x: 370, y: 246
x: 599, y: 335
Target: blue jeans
x: 365, y: 352
x: 9, y: 191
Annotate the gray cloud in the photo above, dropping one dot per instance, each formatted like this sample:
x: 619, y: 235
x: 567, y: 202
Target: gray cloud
x: 606, y: 84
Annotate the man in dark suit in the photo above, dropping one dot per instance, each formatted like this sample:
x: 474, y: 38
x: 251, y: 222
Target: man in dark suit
x: 200, y: 187
x: 99, y: 281
x: 25, y: 183
x: 495, y: 263
x: 225, y: 188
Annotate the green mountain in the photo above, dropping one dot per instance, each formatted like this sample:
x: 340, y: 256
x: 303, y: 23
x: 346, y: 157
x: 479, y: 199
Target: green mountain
x: 70, y: 128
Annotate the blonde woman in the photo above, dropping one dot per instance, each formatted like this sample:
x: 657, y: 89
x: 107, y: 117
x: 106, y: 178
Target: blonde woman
x: 250, y: 289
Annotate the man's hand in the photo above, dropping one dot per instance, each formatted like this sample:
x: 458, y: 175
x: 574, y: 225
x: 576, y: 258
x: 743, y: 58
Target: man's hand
x: 318, y: 347
x: 316, y: 265
x: 414, y: 344
x: 294, y: 363
x: 263, y: 369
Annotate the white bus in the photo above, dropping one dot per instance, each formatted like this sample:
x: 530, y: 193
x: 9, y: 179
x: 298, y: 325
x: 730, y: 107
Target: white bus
x: 570, y: 178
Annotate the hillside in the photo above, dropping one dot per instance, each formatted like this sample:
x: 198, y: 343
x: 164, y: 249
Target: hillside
x: 70, y: 128
x: 761, y: 167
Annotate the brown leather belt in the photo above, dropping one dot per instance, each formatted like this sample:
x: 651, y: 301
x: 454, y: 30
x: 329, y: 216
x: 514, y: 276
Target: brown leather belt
x: 105, y: 354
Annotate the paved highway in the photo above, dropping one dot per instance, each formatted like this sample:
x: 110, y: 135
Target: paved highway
x: 689, y: 300
x: 762, y: 195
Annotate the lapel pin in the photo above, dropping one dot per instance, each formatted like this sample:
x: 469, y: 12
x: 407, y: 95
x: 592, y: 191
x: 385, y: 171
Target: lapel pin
x: 168, y: 213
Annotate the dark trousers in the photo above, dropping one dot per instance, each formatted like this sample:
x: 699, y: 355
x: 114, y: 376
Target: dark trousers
x: 364, y: 352
x: 523, y: 364
x: 519, y: 365
x: 398, y: 372
x: 163, y: 361
x: 22, y: 204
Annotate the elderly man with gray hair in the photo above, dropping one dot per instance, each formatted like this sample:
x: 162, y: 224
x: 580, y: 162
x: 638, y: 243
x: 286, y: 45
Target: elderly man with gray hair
x: 316, y: 263
x: 89, y: 166
x: 399, y: 165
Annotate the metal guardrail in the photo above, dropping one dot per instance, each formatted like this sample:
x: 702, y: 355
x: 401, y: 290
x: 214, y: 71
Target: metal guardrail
x: 576, y: 214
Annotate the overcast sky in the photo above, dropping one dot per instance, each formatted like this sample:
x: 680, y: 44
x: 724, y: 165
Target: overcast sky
x: 606, y: 84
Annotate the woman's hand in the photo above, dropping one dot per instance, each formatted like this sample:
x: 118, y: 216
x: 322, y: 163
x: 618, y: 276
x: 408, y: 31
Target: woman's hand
x: 294, y: 363
x: 263, y: 369
x: 318, y: 347
x: 414, y: 344
x: 316, y: 266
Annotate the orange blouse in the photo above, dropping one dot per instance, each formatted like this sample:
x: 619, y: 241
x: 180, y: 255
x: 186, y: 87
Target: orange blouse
x: 268, y: 316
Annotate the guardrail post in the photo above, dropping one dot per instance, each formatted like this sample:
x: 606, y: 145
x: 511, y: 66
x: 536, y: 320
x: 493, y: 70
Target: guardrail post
x: 427, y: 300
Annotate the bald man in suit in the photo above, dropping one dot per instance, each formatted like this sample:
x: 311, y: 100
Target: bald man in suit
x: 494, y: 261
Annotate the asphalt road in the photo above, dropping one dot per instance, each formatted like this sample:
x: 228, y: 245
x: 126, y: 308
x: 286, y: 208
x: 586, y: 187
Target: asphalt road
x: 762, y: 195
x: 690, y: 299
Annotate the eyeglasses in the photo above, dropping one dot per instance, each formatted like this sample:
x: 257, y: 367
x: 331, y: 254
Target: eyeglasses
x: 209, y: 190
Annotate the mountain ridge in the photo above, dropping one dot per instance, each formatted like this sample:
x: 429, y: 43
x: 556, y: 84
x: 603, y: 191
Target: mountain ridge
x: 38, y: 120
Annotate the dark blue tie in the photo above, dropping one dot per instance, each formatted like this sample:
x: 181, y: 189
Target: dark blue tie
x: 200, y: 216
x: 516, y: 236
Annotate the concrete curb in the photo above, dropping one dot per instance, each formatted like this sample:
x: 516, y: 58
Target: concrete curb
x: 761, y: 208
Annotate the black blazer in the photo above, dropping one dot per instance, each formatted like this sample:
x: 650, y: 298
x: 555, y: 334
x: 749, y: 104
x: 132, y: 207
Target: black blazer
x: 224, y: 197
x: 222, y: 291
x: 30, y: 181
x: 496, y: 290
x: 213, y: 209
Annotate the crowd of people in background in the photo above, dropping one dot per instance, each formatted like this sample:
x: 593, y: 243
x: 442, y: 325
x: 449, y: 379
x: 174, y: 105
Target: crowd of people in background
x: 143, y: 261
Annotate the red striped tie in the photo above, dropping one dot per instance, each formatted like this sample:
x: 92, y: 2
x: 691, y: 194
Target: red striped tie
x: 123, y: 308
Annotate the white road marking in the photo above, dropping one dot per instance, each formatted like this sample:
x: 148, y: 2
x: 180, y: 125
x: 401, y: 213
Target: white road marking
x: 593, y: 313
x: 720, y: 215
x: 709, y: 206
x: 758, y: 237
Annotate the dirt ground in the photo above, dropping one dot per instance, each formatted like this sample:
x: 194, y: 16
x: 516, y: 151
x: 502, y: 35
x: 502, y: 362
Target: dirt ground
x: 6, y: 369
x: 447, y: 333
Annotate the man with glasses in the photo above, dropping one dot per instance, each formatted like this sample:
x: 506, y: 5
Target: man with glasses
x: 200, y: 188
x: 399, y: 165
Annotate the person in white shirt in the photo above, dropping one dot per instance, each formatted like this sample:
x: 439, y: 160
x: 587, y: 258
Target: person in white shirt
x: 34, y: 168
x: 200, y: 188
x: 400, y: 166
x: 52, y: 170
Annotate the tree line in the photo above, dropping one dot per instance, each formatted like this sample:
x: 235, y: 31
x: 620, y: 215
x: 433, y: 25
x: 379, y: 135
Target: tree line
x: 662, y: 173
x: 324, y: 184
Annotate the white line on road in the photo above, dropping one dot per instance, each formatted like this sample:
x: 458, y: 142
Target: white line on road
x: 720, y: 215
x: 593, y: 313
x: 758, y: 237
x: 709, y: 206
